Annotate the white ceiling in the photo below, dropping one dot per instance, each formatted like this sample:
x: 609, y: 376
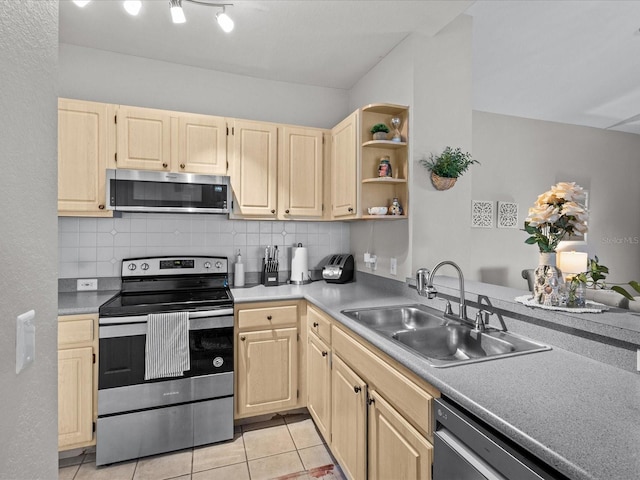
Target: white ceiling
x: 567, y: 61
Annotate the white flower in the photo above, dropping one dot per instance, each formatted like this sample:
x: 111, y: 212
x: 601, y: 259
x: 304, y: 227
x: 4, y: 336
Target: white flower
x: 543, y: 214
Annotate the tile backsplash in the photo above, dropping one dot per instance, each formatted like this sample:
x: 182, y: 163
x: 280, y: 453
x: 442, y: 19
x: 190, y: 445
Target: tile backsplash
x: 94, y: 247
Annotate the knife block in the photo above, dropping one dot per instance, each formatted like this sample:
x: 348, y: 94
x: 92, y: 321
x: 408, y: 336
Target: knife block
x: 269, y: 273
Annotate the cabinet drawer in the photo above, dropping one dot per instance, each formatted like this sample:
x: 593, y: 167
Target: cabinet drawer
x: 74, y: 331
x: 409, y: 399
x: 267, y: 317
x: 319, y: 324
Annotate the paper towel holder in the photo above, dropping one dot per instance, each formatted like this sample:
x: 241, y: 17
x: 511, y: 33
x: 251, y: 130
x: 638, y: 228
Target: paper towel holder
x: 299, y: 267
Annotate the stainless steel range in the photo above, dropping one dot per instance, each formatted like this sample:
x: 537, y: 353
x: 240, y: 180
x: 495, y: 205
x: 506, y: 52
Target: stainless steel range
x: 138, y: 417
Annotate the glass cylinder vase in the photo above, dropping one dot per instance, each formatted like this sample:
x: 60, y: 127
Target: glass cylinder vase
x: 547, y: 279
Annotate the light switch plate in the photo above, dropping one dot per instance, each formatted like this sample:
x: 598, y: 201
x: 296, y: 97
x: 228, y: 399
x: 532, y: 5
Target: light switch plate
x: 393, y: 266
x: 638, y: 361
x: 85, y: 284
x: 25, y: 340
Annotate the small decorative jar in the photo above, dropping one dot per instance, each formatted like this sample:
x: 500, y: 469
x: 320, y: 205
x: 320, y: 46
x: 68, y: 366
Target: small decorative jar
x: 384, y: 169
x: 396, y: 208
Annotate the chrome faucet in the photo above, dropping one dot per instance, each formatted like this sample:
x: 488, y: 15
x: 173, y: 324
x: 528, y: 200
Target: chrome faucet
x: 424, y: 286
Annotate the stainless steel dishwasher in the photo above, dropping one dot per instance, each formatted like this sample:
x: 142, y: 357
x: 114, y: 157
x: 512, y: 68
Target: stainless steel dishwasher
x: 466, y: 449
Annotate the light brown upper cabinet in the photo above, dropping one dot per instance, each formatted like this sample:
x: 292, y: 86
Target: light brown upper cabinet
x: 276, y: 170
x: 150, y: 139
x: 344, y: 168
x: 376, y: 190
x: 253, y: 166
x: 86, y: 145
x: 300, y: 173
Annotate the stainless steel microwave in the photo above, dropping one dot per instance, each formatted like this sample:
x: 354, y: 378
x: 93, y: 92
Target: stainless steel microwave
x: 151, y: 191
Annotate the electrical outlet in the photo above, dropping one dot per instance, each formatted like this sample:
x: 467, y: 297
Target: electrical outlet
x: 393, y: 266
x: 638, y: 361
x: 373, y: 262
x: 87, y: 284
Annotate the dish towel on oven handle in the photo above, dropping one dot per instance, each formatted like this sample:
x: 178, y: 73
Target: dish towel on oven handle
x: 167, y: 345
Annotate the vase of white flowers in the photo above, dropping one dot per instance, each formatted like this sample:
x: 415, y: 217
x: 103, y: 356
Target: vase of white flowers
x: 556, y: 214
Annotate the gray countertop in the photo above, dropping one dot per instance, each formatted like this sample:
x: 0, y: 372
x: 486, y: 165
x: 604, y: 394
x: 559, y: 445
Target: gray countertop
x: 578, y: 415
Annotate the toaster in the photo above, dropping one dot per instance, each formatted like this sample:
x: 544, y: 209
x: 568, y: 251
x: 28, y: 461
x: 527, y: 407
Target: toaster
x: 339, y: 268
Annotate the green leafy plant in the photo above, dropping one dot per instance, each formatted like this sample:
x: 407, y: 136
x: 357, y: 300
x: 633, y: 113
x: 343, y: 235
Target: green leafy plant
x: 449, y: 164
x: 594, y: 276
x: 379, y: 127
x: 635, y: 285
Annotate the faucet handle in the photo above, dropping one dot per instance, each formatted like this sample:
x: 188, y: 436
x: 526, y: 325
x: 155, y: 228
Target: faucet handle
x: 447, y: 307
x: 482, y: 319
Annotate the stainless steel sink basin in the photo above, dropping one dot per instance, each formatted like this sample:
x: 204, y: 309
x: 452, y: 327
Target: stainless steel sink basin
x: 444, y: 342
x: 394, y: 319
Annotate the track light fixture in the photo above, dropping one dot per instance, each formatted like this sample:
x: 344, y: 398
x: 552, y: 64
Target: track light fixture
x: 177, y: 14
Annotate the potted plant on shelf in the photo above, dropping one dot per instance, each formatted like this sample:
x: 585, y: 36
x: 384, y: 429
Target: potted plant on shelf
x: 447, y: 167
x: 379, y: 131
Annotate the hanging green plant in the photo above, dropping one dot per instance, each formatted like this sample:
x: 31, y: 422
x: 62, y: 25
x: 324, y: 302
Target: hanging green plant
x: 447, y: 167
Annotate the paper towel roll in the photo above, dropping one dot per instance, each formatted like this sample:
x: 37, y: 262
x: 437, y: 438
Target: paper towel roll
x: 299, y: 265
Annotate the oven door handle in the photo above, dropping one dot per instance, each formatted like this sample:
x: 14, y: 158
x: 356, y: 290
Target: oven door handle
x: 223, y: 312
x: 138, y: 325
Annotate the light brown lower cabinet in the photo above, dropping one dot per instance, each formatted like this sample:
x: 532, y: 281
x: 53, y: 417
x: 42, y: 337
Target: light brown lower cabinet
x: 77, y: 380
x: 396, y: 449
x: 319, y: 384
x: 349, y: 420
x: 267, y: 358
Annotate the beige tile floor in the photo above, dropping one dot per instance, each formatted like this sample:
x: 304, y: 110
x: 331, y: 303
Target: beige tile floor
x: 285, y: 447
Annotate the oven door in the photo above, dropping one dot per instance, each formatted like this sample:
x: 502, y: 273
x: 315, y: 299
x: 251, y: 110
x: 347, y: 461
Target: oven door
x: 122, y: 349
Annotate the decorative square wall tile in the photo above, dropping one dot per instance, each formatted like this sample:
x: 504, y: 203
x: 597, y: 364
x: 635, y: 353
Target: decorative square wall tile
x: 507, y: 215
x: 482, y: 214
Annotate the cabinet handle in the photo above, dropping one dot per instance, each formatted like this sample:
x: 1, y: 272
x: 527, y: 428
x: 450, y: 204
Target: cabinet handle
x: 165, y: 165
x: 357, y: 389
x: 243, y: 338
x: 273, y: 211
x: 324, y: 354
x: 269, y: 317
x: 371, y: 401
x: 101, y: 207
x: 350, y: 209
x: 315, y: 324
x: 182, y: 165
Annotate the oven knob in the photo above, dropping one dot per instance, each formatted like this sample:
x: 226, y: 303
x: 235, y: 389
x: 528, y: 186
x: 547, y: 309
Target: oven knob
x: 218, y: 264
x: 144, y: 266
x: 132, y: 266
x: 207, y: 265
x: 217, y: 362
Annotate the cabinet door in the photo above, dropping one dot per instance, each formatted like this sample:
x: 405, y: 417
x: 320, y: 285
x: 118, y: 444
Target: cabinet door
x: 202, y: 145
x: 344, y: 166
x: 267, y: 371
x: 75, y: 399
x: 144, y: 139
x: 319, y: 384
x: 396, y: 449
x: 254, y: 164
x: 83, y: 147
x: 300, y: 178
x: 348, y: 420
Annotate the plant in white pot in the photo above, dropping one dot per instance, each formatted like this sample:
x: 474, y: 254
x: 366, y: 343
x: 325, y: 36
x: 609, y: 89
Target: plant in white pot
x: 379, y: 131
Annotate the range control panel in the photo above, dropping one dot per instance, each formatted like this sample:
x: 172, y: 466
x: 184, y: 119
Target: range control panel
x: 155, y: 266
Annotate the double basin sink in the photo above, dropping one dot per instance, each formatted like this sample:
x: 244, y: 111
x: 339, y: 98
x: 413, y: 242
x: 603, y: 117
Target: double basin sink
x: 442, y: 340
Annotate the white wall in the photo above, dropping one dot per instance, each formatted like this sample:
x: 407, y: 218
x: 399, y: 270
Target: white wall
x: 28, y: 243
x: 433, y: 76
x: 521, y: 158
x: 390, y: 81
x: 89, y: 74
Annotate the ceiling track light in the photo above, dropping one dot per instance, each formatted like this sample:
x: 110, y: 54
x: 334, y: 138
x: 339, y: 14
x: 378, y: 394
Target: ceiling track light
x: 133, y: 6
x: 224, y: 21
x: 177, y: 15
